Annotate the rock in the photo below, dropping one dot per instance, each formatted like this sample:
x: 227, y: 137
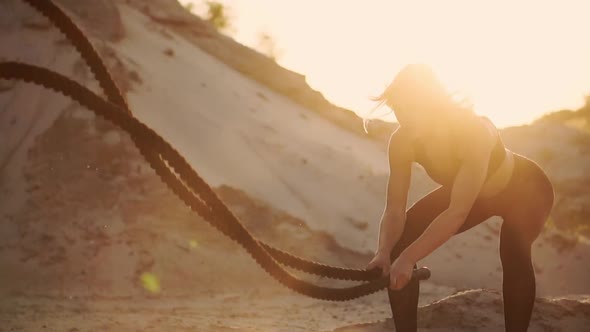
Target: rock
x: 100, y: 18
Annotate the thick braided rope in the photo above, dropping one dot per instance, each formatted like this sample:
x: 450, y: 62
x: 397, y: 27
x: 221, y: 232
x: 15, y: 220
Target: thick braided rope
x: 140, y: 132
x: 64, y: 23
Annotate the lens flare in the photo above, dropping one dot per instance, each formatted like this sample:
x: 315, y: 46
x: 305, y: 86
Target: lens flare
x: 150, y: 282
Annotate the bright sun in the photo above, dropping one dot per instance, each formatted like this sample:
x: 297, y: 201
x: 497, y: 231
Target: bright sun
x: 515, y: 59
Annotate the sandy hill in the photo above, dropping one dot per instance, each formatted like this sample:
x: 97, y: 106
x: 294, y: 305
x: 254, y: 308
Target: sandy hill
x: 83, y: 216
x: 560, y: 141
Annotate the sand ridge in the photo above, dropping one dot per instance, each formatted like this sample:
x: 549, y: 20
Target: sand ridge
x: 87, y: 216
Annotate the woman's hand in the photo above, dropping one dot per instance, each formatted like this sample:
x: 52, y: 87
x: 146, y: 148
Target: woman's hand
x: 380, y: 260
x: 400, y: 272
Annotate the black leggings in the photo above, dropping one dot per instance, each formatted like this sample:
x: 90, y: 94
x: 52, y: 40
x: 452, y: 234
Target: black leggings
x: 524, y: 206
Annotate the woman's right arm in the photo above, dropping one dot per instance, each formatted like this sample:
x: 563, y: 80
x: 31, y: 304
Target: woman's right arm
x: 400, y: 155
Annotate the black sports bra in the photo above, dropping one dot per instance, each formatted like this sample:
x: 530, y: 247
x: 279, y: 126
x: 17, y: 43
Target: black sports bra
x: 445, y: 177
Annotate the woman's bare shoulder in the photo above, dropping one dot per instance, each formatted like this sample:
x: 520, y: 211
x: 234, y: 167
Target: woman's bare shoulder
x: 487, y: 122
x: 478, y: 133
x: 400, y: 144
x: 476, y: 126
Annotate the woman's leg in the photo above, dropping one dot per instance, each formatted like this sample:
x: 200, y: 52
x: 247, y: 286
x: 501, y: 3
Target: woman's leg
x: 518, y: 282
x: 404, y: 302
x: 522, y: 224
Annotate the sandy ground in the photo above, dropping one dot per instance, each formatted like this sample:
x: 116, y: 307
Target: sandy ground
x: 83, y: 217
x: 237, y: 311
x: 248, y: 310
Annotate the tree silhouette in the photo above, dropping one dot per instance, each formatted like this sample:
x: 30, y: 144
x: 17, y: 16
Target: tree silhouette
x: 217, y: 15
x: 214, y: 12
x: 268, y: 46
x: 189, y: 6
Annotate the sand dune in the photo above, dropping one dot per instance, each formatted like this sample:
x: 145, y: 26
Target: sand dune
x: 83, y: 216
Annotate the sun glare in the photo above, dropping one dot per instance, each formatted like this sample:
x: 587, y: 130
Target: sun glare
x: 515, y: 60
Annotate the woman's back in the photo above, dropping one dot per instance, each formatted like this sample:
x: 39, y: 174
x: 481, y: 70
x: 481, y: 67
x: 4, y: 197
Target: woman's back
x: 441, y: 159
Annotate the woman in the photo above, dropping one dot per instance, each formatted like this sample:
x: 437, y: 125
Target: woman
x: 479, y: 179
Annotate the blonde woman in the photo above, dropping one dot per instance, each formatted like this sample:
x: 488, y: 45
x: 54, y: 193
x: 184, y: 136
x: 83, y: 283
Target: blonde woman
x: 479, y: 178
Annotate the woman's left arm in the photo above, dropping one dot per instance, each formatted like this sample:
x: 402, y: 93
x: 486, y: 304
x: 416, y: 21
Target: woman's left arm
x: 466, y: 187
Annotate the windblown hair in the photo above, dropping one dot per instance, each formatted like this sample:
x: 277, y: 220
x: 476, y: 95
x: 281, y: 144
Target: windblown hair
x: 418, y: 81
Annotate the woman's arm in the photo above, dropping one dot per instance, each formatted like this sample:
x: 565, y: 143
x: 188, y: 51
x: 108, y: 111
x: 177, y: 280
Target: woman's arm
x: 394, y: 214
x: 466, y: 187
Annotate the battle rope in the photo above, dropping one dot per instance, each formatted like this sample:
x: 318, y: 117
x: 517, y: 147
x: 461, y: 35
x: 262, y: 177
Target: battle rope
x: 89, y: 54
x: 152, y: 147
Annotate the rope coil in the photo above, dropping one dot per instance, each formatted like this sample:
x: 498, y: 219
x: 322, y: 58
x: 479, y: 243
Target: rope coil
x: 184, y: 181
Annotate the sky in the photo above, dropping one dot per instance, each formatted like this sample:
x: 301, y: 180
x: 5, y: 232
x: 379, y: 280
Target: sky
x: 515, y: 60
